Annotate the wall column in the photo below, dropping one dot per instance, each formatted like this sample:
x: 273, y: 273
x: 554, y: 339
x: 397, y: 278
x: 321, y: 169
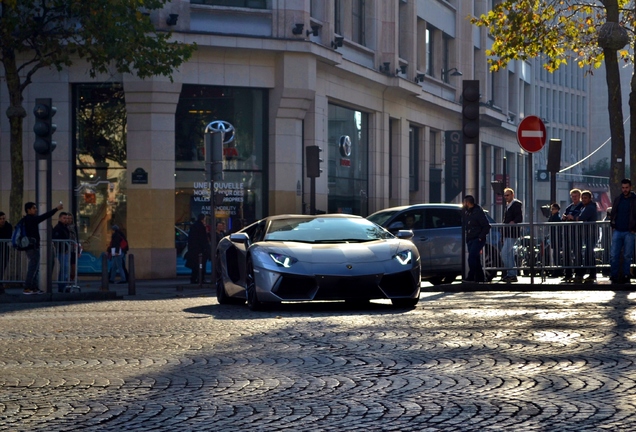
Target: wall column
x: 151, y: 107
x: 290, y: 100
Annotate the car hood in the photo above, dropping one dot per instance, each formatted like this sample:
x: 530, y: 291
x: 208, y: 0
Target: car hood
x: 340, y: 252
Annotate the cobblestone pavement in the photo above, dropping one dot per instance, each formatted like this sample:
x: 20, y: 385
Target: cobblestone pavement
x: 531, y: 361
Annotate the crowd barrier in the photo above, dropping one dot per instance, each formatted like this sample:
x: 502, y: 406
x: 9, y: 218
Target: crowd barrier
x: 13, y: 264
x: 552, y: 248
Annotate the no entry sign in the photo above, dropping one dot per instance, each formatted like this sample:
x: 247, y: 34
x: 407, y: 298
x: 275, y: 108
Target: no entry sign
x: 531, y: 134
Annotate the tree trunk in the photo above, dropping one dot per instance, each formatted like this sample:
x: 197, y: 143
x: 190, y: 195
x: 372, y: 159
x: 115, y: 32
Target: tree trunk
x: 614, y: 100
x: 16, y: 113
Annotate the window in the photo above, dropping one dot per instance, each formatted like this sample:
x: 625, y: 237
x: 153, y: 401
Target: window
x: 337, y: 18
x: 443, y: 218
x: 243, y: 187
x: 252, y: 4
x: 358, y: 27
x: 99, y: 136
x: 430, y: 42
x: 348, y: 170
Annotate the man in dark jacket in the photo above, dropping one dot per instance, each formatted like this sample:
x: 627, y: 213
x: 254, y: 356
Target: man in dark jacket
x: 6, y: 230
x: 61, y: 248
x: 623, y: 223
x: 477, y: 228
x: 570, y: 252
x: 589, y: 231
x: 513, y: 215
x: 198, y: 243
x: 31, y: 222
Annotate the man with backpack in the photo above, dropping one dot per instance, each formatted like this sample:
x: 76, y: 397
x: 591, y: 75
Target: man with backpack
x: 31, y: 222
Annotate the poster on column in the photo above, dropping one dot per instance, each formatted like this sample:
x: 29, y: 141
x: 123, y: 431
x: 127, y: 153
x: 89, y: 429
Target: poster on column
x: 229, y: 196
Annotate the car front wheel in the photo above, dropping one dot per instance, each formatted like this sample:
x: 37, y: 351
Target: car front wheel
x: 221, y: 294
x: 250, y: 287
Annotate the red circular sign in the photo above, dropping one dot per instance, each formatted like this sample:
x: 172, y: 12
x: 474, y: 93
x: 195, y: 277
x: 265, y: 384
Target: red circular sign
x: 531, y: 134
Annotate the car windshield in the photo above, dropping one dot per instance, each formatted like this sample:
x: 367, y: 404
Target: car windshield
x: 325, y: 230
x: 381, y: 217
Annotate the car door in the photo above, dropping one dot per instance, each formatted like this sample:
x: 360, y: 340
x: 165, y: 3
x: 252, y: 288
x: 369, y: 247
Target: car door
x: 441, y: 240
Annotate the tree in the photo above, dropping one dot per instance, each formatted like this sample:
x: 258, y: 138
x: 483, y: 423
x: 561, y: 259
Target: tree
x: 586, y: 31
x: 109, y: 35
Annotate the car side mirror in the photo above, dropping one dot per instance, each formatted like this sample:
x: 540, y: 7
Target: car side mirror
x: 239, y: 238
x: 404, y: 234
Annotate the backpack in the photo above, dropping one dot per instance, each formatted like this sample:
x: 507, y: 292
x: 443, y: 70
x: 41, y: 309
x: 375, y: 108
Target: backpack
x: 19, y: 239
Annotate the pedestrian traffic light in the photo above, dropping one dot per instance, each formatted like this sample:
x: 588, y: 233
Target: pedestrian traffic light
x: 44, y: 127
x: 470, y: 111
x: 313, y: 161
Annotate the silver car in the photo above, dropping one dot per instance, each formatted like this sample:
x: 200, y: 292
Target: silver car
x: 437, y: 233
x: 326, y: 257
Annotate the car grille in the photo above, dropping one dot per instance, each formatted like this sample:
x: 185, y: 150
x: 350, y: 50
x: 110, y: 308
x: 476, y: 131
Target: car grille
x: 295, y: 287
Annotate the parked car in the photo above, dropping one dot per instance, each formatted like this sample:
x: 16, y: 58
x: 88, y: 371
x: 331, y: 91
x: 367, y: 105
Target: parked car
x: 325, y: 257
x: 437, y: 233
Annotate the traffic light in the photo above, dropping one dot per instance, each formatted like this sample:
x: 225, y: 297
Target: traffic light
x: 313, y: 161
x: 44, y: 127
x: 470, y: 111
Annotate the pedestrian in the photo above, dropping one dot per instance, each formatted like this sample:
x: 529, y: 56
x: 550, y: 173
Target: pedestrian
x: 220, y: 231
x: 6, y: 231
x: 589, y: 215
x: 570, y: 235
x: 117, y: 249
x: 623, y: 223
x: 555, y: 240
x: 513, y: 215
x: 477, y: 227
x: 198, y: 243
x: 76, y: 248
x: 31, y: 222
x: 62, y: 236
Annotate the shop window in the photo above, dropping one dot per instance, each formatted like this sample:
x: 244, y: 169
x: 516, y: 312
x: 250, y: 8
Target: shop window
x: 348, y: 161
x: 240, y: 194
x: 100, y: 167
x: 252, y: 4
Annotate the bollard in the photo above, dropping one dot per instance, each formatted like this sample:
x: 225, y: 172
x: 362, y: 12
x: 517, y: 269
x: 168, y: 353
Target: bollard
x: 105, y: 280
x: 201, y: 270
x: 132, y: 285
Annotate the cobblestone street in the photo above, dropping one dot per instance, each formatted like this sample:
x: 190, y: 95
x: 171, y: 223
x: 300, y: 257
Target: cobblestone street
x: 459, y: 361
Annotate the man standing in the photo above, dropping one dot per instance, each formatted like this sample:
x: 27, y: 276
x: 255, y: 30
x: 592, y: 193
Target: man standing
x: 76, y: 248
x: 513, y: 215
x: 477, y: 228
x: 220, y: 231
x: 117, y: 249
x: 198, y: 243
x: 589, y: 214
x: 62, y: 250
x: 623, y: 223
x: 569, y: 234
x: 6, y: 230
x: 31, y: 222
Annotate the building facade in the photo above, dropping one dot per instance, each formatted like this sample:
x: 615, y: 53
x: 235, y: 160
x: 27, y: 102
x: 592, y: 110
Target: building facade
x: 376, y: 84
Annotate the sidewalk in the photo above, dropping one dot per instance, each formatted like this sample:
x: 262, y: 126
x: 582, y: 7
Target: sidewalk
x: 156, y: 289
x: 90, y: 290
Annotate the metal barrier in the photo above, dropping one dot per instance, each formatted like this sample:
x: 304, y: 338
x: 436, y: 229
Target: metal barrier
x: 13, y: 265
x: 553, y: 249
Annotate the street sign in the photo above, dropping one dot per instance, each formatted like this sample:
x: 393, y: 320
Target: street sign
x: 531, y: 134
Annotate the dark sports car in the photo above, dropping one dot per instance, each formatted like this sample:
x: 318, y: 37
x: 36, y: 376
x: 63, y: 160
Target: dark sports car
x: 326, y: 257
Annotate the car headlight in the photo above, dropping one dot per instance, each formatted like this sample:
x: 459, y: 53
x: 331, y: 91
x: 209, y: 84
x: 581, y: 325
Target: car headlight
x: 283, y: 260
x: 404, y: 257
